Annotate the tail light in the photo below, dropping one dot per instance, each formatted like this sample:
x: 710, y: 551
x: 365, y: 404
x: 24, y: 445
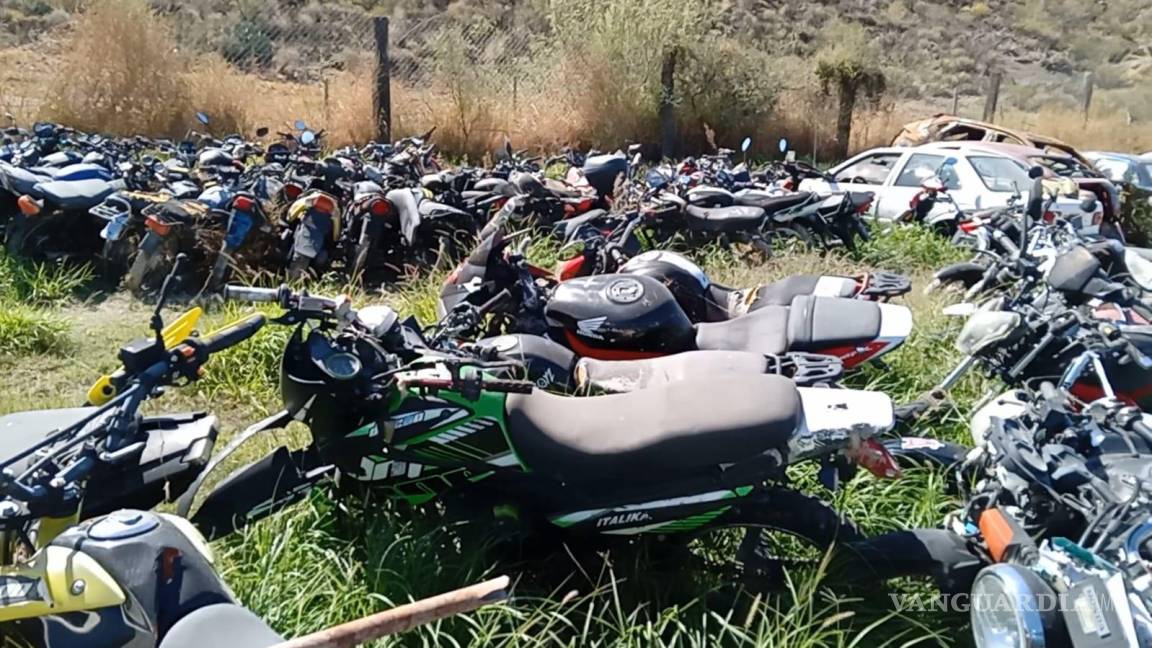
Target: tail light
x: 789, y: 185
x: 1049, y: 216
x: 969, y: 226
x: 292, y: 191
x: 243, y: 203
x: 324, y: 205
x: 380, y: 208
x: 154, y: 224
x: 28, y: 205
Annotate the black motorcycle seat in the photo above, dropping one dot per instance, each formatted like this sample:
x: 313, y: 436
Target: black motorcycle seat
x: 221, y: 625
x: 570, y: 226
x: 816, y: 323
x: 613, y: 376
x: 764, y: 331
x: 723, y: 219
x: 653, y: 434
x: 21, y: 430
x: 772, y: 204
x: 76, y: 194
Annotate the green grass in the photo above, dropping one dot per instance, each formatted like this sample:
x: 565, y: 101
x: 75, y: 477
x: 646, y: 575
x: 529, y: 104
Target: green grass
x: 324, y: 562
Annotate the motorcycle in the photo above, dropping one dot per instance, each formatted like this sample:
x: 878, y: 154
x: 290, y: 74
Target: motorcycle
x: 629, y: 316
x: 675, y: 461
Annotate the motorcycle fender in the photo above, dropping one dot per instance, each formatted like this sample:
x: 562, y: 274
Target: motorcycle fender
x: 257, y: 490
x: 239, y: 224
x: 373, y: 228
x: 311, y: 236
x: 43, y: 586
x: 966, y: 273
x: 151, y: 242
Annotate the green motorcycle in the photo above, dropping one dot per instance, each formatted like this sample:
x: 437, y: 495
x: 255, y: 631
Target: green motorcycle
x: 390, y: 415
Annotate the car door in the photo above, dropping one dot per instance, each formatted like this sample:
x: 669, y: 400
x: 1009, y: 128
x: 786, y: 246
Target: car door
x: 871, y: 171
x: 905, y: 182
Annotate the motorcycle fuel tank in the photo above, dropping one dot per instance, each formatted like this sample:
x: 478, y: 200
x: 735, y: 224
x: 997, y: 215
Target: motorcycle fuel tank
x: 619, y: 316
x: 687, y: 281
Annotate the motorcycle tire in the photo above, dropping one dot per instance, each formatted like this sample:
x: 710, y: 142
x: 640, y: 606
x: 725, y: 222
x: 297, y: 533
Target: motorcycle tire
x: 14, y: 234
x: 298, y: 267
x: 798, y: 232
x: 141, y: 269
x: 114, y: 261
x: 360, y: 263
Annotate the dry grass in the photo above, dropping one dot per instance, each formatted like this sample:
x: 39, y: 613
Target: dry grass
x: 114, y: 70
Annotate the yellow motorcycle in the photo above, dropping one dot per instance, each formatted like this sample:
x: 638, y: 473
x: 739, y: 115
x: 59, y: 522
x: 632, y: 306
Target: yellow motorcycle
x: 122, y: 579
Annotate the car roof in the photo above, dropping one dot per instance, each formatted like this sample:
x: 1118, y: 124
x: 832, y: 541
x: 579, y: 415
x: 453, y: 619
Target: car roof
x: 1131, y: 157
x: 1018, y: 151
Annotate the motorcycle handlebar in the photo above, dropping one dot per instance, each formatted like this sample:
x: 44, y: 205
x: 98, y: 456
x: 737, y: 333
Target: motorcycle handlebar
x: 234, y: 333
x: 250, y: 294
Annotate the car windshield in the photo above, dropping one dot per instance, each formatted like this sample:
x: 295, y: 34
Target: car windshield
x: 1001, y: 174
x: 1145, y: 182
x: 1063, y: 167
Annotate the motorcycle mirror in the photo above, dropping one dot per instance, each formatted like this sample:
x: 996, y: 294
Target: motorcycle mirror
x: 783, y: 145
x: 307, y: 137
x: 963, y: 309
x: 746, y: 144
x: 300, y: 125
x: 951, y: 161
x: 202, y: 118
x: 262, y: 131
x: 1036, y: 172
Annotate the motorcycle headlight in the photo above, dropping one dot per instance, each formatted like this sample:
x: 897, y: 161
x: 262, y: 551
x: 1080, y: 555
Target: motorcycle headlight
x: 1012, y: 608
x: 985, y: 328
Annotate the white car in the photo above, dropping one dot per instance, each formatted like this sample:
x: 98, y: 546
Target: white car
x: 981, y: 176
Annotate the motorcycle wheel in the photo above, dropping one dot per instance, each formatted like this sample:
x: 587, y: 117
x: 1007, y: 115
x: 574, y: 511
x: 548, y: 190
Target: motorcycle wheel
x: 298, y: 267
x: 142, y: 266
x: 799, y: 234
x: 777, y: 521
x: 114, y: 261
x: 360, y: 264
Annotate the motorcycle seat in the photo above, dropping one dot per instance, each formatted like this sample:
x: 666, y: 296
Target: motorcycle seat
x: 723, y: 219
x: 782, y: 292
x: 656, y: 433
x: 764, y: 331
x: 629, y: 375
x: 21, y: 430
x: 221, y: 625
x: 769, y: 203
x: 76, y: 194
x: 821, y: 322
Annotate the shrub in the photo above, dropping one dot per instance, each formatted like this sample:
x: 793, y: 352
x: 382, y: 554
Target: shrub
x: 248, y: 45
x: 26, y: 331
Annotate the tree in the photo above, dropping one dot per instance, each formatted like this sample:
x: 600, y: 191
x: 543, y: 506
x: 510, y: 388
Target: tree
x: 849, y: 64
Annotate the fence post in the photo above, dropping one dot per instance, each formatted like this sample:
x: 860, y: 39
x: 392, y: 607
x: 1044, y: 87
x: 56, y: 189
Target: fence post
x: 955, y: 100
x: 993, y: 97
x: 669, y: 135
x: 382, y: 93
x: 1089, y: 83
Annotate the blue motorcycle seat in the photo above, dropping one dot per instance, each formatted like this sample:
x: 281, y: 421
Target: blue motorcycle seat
x: 22, y: 181
x: 80, y: 172
x: 76, y: 194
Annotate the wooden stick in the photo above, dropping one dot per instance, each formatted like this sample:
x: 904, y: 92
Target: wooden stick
x: 405, y: 617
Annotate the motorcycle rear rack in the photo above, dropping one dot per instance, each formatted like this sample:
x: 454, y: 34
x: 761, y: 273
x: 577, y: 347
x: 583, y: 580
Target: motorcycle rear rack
x: 807, y: 369
x: 886, y: 285
x: 109, y: 210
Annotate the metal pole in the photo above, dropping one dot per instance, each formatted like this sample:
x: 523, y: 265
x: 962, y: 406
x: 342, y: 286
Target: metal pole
x: 405, y: 617
x: 382, y: 92
x: 993, y: 97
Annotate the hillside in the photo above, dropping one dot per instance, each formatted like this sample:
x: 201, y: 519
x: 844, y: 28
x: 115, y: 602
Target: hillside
x: 750, y: 62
